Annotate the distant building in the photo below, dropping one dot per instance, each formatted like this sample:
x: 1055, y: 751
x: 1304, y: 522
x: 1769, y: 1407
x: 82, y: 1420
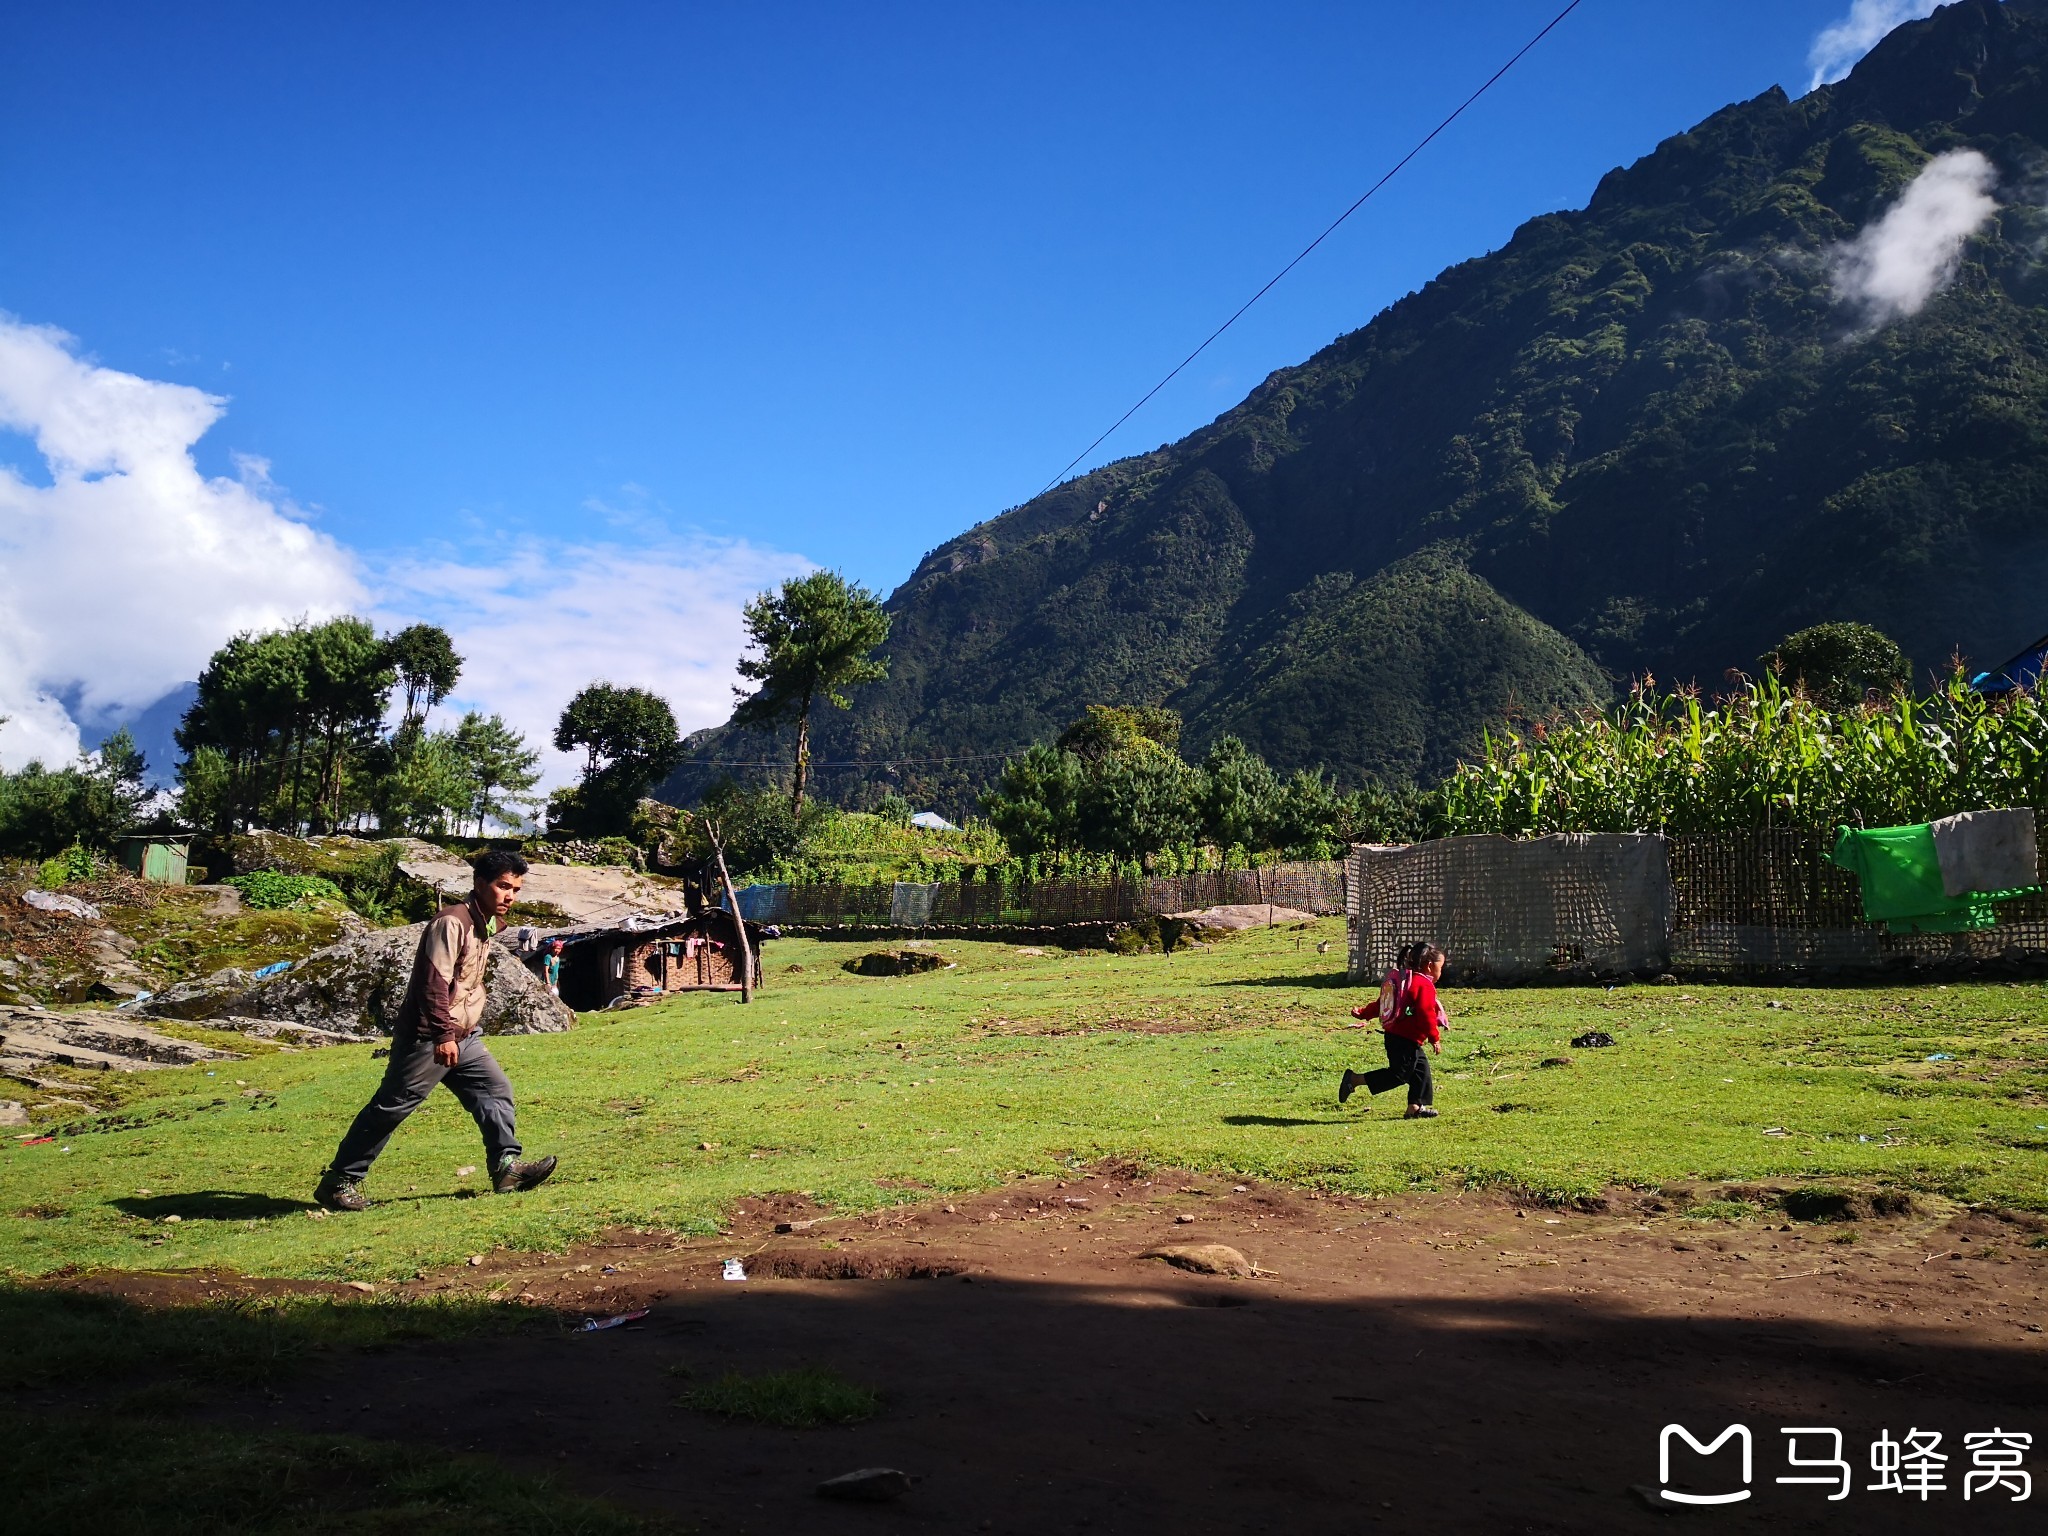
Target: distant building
x: 932, y: 821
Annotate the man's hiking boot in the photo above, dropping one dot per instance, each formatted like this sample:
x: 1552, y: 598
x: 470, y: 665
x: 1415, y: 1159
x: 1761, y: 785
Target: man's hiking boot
x: 339, y: 1194
x: 1348, y: 1084
x: 1420, y: 1112
x: 514, y: 1177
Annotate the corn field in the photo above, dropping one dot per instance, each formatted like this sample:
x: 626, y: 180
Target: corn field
x: 1765, y: 757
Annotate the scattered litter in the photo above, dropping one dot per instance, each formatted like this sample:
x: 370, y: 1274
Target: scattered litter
x: 465, y: 1170
x: 735, y: 1269
x: 1774, y: 1003
x: 1776, y: 1130
x: 599, y: 1324
x: 1183, y: 1218
x: 608, y: 1269
x: 1592, y: 1040
x: 360, y: 1285
x: 52, y: 901
x: 63, y: 1149
x: 277, y: 969
x: 1941, y: 1056
x: 869, y: 1485
x: 475, y: 1259
x: 317, y: 1215
x: 34, y: 1141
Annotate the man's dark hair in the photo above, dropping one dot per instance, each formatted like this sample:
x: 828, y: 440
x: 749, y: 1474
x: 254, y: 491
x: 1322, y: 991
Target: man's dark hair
x: 499, y: 861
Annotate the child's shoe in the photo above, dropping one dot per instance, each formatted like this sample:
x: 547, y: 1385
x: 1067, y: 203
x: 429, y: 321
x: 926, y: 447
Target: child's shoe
x: 1420, y: 1112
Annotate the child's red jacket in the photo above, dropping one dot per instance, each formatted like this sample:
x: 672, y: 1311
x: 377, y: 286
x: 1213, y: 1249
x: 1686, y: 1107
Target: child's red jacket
x: 1418, y: 1016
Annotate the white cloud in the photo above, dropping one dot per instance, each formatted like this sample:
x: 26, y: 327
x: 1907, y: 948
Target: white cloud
x: 1896, y: 264
x: 536, y: 621
x: 122, y: 575
x: 1836, y: 48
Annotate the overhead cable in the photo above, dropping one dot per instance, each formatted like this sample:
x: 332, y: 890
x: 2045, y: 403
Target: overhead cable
x: 1319, y: 239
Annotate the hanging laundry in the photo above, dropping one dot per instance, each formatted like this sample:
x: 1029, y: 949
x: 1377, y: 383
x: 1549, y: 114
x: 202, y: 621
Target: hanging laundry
x: 1900, y: 877
x: 1987, y: 852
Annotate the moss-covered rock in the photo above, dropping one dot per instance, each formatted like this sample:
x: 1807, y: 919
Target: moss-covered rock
x: 356, y: 986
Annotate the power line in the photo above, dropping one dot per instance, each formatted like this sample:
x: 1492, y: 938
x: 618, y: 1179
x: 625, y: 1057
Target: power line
x: 1319, y: 239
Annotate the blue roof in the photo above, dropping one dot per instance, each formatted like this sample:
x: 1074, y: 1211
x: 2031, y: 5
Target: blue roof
x: 2023, y: 671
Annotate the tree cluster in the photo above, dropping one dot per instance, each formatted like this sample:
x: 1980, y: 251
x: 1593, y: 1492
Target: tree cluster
x: 87, y: 804
x: 1116, y: 784
x: 289, y: 731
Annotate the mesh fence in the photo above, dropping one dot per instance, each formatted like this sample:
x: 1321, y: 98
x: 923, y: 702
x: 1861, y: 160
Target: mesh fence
x: 1736, y: 905
x: 1315, y: 887
x: 1770, y: 902
x: 1572, y: 905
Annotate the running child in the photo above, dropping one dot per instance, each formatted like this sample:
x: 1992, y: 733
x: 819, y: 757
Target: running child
x: 1410, y: 1017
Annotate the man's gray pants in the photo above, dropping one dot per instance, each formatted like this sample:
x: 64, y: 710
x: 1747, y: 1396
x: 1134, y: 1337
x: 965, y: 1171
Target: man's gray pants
x: 476, y: 1080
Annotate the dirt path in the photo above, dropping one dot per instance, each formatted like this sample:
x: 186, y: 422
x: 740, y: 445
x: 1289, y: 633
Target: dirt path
x: 1451, y: 1360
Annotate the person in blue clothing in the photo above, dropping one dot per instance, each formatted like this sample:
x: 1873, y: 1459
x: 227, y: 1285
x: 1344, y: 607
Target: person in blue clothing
x: 551, y: 967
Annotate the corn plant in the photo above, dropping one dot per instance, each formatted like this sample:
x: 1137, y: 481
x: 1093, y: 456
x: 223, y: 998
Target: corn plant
x: 1766, y: 756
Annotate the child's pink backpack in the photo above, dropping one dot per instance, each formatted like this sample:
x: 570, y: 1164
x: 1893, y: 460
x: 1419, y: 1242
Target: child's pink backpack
x: 1393, y: 986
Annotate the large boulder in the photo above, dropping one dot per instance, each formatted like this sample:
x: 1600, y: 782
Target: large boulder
x: 355, y: 987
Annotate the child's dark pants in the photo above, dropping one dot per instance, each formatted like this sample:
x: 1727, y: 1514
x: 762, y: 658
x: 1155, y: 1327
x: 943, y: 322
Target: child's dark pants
x: 1407, y: 1063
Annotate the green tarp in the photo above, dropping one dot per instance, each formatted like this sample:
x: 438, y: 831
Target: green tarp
x: 1900, y: 876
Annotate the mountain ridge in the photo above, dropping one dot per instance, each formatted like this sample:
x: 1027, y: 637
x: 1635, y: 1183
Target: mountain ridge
x: 1639, y: 436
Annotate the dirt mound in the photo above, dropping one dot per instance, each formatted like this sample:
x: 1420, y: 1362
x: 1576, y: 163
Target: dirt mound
x: 355, y: 987
x: 1234, y: 919
x: 896, y: 962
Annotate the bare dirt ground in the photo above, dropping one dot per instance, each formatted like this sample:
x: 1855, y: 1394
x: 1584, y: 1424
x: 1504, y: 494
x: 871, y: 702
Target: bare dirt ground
x: 1449, y: 1360
x: 583, y: 893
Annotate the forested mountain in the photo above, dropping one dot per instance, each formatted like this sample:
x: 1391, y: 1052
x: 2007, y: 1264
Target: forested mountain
x: 1652, y: 434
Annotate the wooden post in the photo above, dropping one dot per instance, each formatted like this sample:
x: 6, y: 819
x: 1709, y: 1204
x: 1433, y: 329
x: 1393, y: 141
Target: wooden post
x: 739, y: 923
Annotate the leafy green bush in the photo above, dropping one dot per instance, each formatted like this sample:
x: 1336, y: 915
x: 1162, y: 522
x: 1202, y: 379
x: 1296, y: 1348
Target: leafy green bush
x: 267, y: 890
x: 74, y: 866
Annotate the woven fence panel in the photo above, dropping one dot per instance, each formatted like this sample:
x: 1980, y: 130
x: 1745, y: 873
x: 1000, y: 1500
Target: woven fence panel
x: 1770, y: 902
x: 1577, y: 904
x: 1316, y: 887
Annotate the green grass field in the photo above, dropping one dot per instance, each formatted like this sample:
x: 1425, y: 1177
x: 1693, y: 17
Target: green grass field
x: 866, y: 1092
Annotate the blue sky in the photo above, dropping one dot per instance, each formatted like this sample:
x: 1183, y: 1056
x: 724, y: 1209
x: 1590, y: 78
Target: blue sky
x: 488, y: 287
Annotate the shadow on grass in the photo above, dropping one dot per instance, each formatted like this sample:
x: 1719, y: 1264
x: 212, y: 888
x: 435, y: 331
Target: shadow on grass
x: 1285, y: 1120
x: 121, y: 1453
x: 211, y: 1205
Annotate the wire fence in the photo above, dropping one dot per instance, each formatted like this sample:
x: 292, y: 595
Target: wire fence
x: 1313, y: 887
x: 1731, y: 905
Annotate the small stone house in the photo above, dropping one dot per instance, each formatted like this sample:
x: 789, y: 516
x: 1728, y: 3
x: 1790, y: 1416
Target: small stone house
x: 605, y: 965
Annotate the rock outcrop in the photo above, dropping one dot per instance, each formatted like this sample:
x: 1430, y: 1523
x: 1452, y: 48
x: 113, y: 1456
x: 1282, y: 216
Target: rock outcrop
x: 355, y: 988
x: 107, y: 1042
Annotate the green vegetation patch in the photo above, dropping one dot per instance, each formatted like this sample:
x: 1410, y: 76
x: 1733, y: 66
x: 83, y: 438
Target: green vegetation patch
x: 267, y: 890
x: 805, y: 1398
x: 862, y: 1092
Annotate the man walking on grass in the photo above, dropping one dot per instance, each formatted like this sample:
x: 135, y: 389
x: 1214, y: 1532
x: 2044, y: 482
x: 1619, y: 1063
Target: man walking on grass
x: 438, y: 1038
